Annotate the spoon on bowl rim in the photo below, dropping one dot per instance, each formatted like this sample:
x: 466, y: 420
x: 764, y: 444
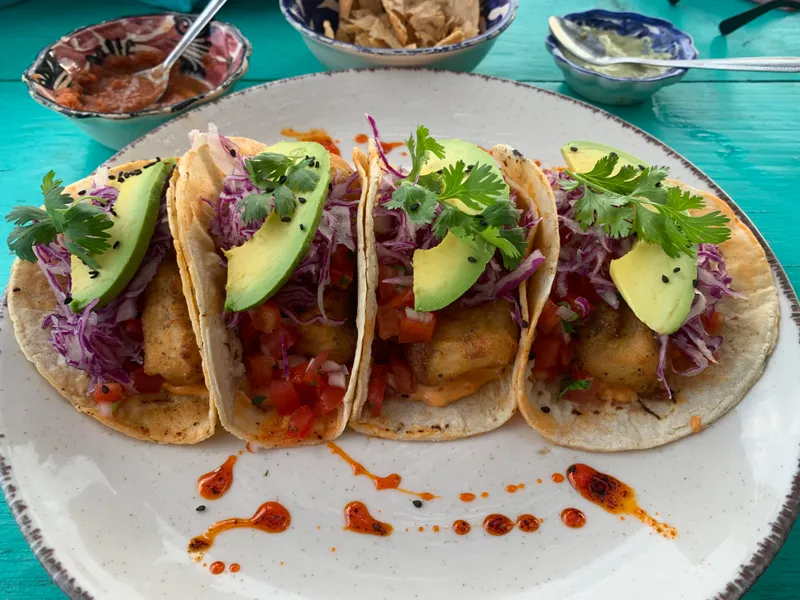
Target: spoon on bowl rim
x: 583, y: 44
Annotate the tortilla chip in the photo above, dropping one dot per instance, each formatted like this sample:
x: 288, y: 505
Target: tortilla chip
x: 165, y: 418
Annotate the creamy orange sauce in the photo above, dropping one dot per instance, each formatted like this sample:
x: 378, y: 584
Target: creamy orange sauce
x: 455, y: 389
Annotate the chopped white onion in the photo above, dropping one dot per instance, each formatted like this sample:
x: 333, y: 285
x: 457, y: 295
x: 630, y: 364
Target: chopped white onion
x: 337, y: 379
x: 422, y: 317
x: 105, y: 409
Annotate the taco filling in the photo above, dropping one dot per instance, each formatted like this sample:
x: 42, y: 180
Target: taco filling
x: 118, y: 314
x: 453, y: 239
x: 284, y: 225
x: 633, y: 310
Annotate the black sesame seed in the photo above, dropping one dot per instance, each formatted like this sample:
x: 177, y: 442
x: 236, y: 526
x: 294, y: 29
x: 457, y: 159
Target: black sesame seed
x: 573, y: 148
x: 93, y: 274
x: 201, y: 508
x: 469, y: 168
x: 641, y: 167
x: 16, y: 289
x: 440, y: 171
x: 116, y: 245
x: 415, y: 207
x: 658, y: 184
x: 694, y: 282
x: 302, y: 227
x: 472, y: 259
x: 137, y: 172
x: 104, y: 389
x: 158, y: 159
x: 613, y: 154
x: 525, y: 324
x: 68, y: 299
x: 330, y: 187
x: 316, y: 165
x: 301, y: 200
x: 232, y: 151
x: 417, y: 503
x: 545, y: 409
x: 286, y: 219
x: 665, y: 279
x: 81, y: 193
x: 113, y: 212
x: 676, y: 270
x: 282, y: 179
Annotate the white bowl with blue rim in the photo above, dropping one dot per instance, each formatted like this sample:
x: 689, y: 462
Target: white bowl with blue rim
x: 220, y: 56
x: 664, y: 38
x: 308, y: 16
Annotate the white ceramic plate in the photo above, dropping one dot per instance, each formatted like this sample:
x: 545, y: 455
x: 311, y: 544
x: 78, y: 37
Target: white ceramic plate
x: 110, y: 517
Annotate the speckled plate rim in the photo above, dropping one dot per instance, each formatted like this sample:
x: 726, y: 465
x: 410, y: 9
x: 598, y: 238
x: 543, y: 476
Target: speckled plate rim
x: 748, y: 573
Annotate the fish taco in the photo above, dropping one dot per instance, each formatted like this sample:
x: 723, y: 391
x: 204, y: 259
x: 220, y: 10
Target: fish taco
x: 270, y: 251
x: 98, y: 305
x: 662, y: 315
x: 461, y: 252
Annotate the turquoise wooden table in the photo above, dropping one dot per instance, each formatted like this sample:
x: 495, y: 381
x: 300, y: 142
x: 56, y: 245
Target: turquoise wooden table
x: 742, y: 129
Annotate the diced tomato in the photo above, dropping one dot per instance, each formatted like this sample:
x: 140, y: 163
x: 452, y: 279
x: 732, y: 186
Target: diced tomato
x: 266, y: 318
x: 133, y: 329
x: 259, y: 372
x: 714, y: 323
x: 342, y: 267
x: 249, y: 335
x: 107, y: 392
x: 547, y: 350
x: 301, y: 422
x: 403, y: 298
x: 377, y: 389
x: 329, y: 399
x: 273, y: 340
x: 549, y: 320
x: 412, y: 330
x: 403, y: 378
x: 388, y: 322
x: 584, y: 395
x: 312, y: 375
x: 284, y: 397
x: 386, y: 290
x: 297, y: 372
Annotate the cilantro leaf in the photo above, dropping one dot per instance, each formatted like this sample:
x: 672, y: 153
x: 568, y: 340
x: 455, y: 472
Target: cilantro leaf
x: 284, y: 201
x: 255, y: 207
x: 82, y: 224
x: 418, y: 150
x: 635, y: 200
x: 568, y: 385
x: 511, y: 243
x: 263, y: 168
x: 452, y: 219
x: 299, y: 178
x: 81, y: 253
x: 501, y: 214
x: 480, y: 188
x: 418, y: 202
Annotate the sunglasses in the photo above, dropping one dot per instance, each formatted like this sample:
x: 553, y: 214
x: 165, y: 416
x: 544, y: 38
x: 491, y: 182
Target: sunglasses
x: 735, y: 22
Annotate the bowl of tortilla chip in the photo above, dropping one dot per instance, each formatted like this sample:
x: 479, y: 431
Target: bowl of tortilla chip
x: 442, y: 34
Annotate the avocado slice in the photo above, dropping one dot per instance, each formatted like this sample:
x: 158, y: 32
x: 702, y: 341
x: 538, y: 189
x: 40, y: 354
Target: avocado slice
x: 136, y: 209
x: 658, y: 289
x: 585, y: 154
x: 443, y: 273
x: 258, y: 268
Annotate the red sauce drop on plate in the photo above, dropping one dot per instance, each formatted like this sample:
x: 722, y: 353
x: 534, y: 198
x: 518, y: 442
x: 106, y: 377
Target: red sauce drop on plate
x: 461, y: 527
x: 313, y: 135
x: 360, y: 138
x: 572, y: 517
x: 497, y: 524
x: 358, y: 519
x: 389, y: 146
x: 614, y: 496
x: 484, y: 494
x: 557, y: 478
x: 466, y: 497
x: 390, y: 482
x: 234, y: 568
x: 214, y: 485
x: 527, y: 523
x: 512, y: 488
x: 435, y: 529
x: 217, y: 567
x: 270, y: 517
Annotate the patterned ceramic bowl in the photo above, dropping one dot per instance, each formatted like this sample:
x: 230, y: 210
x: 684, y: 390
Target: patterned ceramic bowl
x: 308, y: 16
x: 219, y: 57
x: 608, y: 89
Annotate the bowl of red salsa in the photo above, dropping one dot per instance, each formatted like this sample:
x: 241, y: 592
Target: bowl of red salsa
x: 87, y: 75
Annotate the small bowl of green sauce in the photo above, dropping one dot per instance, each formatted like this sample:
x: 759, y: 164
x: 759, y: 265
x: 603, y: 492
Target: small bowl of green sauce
x: 624, y: 34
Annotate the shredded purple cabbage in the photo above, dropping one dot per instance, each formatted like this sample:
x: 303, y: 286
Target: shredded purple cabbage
x: 589, y: 254
x: 305, y: 289
x: 92, y: 340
